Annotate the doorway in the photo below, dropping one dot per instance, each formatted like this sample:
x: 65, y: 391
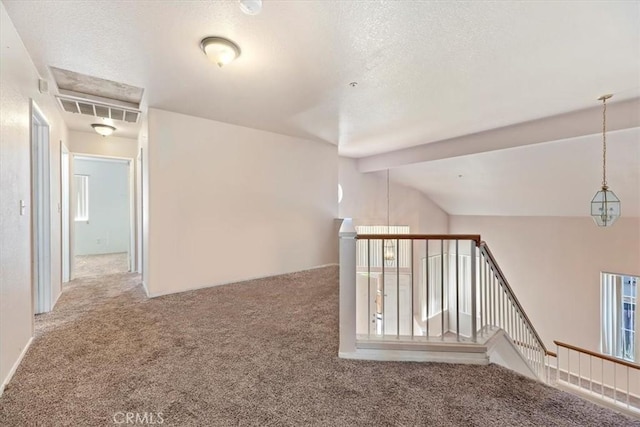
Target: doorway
x: 40, y: 212
x: 102, y: 214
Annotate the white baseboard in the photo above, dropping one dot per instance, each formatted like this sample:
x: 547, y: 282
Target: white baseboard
x: 15, y: 366
x: 416, y: 356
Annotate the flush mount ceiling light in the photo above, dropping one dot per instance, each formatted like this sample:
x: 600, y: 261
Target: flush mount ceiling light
x: 220, y: 50
x: 102, y: 129
x: 251, y: 7
x: 605, y: 206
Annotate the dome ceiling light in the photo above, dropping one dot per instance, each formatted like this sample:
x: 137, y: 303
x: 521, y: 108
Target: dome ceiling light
x: 220, y: 50
x: 102, y: 129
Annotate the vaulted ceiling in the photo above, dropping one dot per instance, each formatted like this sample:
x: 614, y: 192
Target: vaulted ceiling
x: 425, y: 71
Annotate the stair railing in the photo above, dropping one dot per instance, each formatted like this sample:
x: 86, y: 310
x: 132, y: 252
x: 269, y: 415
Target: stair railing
x: 500, y: 308
x: 412, y: 287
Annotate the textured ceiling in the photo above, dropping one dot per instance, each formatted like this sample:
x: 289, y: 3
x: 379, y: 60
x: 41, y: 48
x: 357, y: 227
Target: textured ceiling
x: 551, y: 179
x: 426, y: 71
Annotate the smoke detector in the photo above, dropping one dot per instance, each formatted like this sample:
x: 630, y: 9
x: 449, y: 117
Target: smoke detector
x: 251, y: 7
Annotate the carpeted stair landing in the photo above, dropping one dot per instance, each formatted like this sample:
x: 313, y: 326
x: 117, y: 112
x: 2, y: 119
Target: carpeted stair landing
x: 260, y: 353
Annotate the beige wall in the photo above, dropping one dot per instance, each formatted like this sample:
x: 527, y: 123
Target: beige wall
x: 554, y: 265
x: 365, y: 201
x: 18, y: 85
x: 228, y: 203
x: 97, y: 145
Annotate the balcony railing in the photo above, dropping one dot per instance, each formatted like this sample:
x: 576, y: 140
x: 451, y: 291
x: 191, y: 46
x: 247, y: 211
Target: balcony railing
x: 428, y: 288
x: 607, y: 378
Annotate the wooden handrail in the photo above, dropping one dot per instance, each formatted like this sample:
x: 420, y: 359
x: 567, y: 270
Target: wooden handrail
x: 551, y: 353
x: 475, y: 237
x: 598, y: 355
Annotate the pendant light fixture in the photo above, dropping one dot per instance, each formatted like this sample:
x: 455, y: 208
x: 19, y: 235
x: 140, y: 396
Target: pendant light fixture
x: 389, y: 248
x: 605, y: 206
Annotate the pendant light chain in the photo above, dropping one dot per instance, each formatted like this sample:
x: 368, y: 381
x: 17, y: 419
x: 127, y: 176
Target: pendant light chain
x: 388, y: 214
x: 604, y: 142
x: 605, y: 205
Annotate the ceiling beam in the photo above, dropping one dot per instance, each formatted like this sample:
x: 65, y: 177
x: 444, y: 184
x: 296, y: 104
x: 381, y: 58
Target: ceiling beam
x: 620, y: 115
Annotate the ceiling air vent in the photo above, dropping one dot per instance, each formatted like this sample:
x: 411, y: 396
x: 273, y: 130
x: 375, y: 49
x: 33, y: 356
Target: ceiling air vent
x: 97, y: 109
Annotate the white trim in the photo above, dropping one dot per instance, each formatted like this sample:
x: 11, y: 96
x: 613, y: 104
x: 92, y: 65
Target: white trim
x: 146, y: 290
x: 510, y: 356
x: 132, y: 215
x: 101, y: 158
x: 196, y: 288
x: 56, y: 300
x: 620, y: 274
x: 417, y: 356
x: 15, y: 366
x: 65, y: 193
x: 41, y: 217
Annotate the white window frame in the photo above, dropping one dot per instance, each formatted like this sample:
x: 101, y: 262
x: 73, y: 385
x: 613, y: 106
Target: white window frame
x: 82, y: 197
x: 613, y: 298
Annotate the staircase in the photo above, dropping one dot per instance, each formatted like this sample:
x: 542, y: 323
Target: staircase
x: 444, y: 298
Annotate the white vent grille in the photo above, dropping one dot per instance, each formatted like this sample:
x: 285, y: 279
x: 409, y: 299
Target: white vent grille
x: 96, y: 109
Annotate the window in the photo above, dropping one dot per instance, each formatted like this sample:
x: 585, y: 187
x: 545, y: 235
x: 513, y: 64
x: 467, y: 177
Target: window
x: 629, y: 304
x: 619, y: 299
x: 82, y: 197
x: 435, y: 280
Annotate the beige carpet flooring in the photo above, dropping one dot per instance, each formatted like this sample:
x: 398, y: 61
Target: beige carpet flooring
x: 260, y: 353
x: 101, y: 265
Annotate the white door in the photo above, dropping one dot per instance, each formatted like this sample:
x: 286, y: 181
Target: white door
x: 397, y: 305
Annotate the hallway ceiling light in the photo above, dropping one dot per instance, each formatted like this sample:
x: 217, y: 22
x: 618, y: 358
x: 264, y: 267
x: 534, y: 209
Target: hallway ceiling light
x: 220, y: 50
x: 102, y: 129
x: 605, y: 206
x: 251, y: 7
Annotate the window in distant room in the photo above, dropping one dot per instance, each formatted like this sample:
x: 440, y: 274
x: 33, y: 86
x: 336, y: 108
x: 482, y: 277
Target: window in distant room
x: 82, y: 197
x: 619, y: 316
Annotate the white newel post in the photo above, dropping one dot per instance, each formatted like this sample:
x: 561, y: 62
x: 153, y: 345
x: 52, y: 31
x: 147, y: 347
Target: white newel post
x: 347, y: 288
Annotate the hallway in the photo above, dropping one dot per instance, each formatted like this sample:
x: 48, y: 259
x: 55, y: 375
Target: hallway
x: 101, y: 265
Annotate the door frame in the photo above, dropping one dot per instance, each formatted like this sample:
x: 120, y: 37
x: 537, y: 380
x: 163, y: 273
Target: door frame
x: 40, y: 210
x: 132, y: 208
x: 65, y: 179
